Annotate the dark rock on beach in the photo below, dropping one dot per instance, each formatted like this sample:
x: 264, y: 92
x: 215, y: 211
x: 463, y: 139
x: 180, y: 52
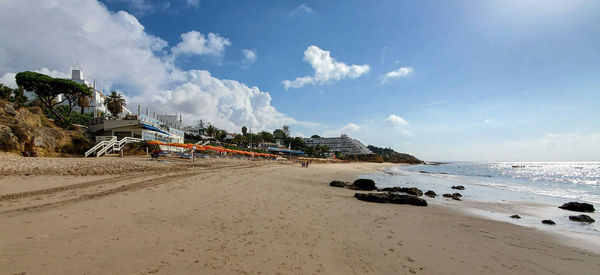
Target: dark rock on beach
x: 458, y: 187
x: 582, y: 218
x: 430, y: 194
x: 578, y: 207
x: 391, y: 198
x: 550, y: 222
x: 515, y: 216
x: 337, y: 183
x: 409, y: 190
x: 454, y: 196
x: 364, y: 184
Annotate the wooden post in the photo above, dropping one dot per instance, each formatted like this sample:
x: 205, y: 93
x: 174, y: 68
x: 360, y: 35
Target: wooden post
x: 193, y: 153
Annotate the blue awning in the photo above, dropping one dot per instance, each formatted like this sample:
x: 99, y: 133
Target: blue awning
x: 274, y: 149
x: 150, y: 127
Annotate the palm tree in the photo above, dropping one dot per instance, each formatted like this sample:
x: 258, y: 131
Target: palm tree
x: 211, y: 130
x: 115, y: 103
x: 84, y: 102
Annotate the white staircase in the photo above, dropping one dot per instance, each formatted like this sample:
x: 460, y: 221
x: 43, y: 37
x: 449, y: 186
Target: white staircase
x: 109, y: 144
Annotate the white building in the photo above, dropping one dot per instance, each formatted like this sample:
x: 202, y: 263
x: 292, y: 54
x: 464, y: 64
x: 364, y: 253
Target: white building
x: 342, y: 144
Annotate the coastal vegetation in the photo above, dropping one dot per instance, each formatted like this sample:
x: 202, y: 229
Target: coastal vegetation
x: 48, y: 89
x: 26, y: 127
x: 115, y: 103
x: 16, y: 96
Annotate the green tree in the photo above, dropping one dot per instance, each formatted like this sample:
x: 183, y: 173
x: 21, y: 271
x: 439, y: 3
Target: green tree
x: 278, y: 134
x: 244, y: 130
x: 315, y: 136
x: 71, y: 91
x: 13, y: 95
x: 211, y: 131
x: 47, y: 90
x: 5, y: 92
x: 297, y: 143
x: 83, y: 102
x: 221, y: 135
x: 42, y: 86
x: 19, y: 97
x: 115, y: 103
x: 266, y: 137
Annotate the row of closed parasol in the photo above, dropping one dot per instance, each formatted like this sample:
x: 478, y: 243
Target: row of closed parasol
x: 211, y: 148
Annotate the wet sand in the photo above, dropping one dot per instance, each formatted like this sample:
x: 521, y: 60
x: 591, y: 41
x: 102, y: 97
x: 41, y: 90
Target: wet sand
x: 223, y: 216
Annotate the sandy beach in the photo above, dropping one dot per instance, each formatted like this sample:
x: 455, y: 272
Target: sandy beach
x: 227, y: 216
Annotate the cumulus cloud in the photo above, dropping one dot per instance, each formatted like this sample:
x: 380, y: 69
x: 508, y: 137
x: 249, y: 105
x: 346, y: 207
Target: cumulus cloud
x: 348, y: 128
x: 398, y: 124
x: 250, y: 57
x: 301, y: 9
x: 396, y: 120
x: 326, y: 68
x: 399, y: 73
x: 138, y: 7
x: 113, y: 48
x: 195, y: 43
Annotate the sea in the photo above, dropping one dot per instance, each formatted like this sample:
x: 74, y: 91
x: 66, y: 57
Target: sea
x: 497, y: 190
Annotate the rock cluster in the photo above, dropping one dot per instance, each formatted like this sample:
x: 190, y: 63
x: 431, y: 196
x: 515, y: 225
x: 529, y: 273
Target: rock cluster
x: 578, y: 207
x: 430, y: 194
x: 364, y: 184
x: 454, y: 196
x: 408, y: 190
x: 458, y: 187
x: 337, y: 183
x: 550, y: 222
x: 515, y: 216
x: 582, y: 218
x: 359, y: 184
x: 391, y: 198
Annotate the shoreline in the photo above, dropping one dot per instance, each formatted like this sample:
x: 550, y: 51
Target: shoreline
x: 234, y: 216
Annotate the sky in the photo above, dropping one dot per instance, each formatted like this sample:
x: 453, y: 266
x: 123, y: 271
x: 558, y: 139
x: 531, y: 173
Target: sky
x: 498, y: 80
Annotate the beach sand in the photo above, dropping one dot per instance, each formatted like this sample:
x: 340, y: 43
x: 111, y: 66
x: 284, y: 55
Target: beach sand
x: 224, y: 216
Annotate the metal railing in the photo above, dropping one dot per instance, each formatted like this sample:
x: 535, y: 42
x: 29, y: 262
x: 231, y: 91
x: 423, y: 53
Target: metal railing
x: 100, y: 146
x: 109, y: 144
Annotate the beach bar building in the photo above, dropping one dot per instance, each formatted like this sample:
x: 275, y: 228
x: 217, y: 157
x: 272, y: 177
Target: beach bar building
x: 139, y: 126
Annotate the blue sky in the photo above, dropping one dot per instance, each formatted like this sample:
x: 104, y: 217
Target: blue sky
x: 477, y: 80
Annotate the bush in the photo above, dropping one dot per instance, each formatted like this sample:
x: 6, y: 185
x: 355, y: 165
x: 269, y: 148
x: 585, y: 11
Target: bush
x: 76, y: 117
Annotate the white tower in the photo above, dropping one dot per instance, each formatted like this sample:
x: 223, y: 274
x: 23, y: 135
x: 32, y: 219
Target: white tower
x: 77, y: 74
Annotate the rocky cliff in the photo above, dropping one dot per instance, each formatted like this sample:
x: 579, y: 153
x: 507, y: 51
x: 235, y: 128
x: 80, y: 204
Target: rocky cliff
x: 27, y: 129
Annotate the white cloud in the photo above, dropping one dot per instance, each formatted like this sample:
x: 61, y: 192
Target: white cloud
x: 8, y: 79
x: 326, y: 68
x: 348, y: 128
x: 195, y: 43
x: 193, y: 3
x: 114, y: 49
x: 302, y: 8
x: 398, y: 124
x: 250, y: 57
x: 399, y: 73
x: 138, y: 7
x: 489, y: 121
x: 396, y: 120
x: 433, y: 103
